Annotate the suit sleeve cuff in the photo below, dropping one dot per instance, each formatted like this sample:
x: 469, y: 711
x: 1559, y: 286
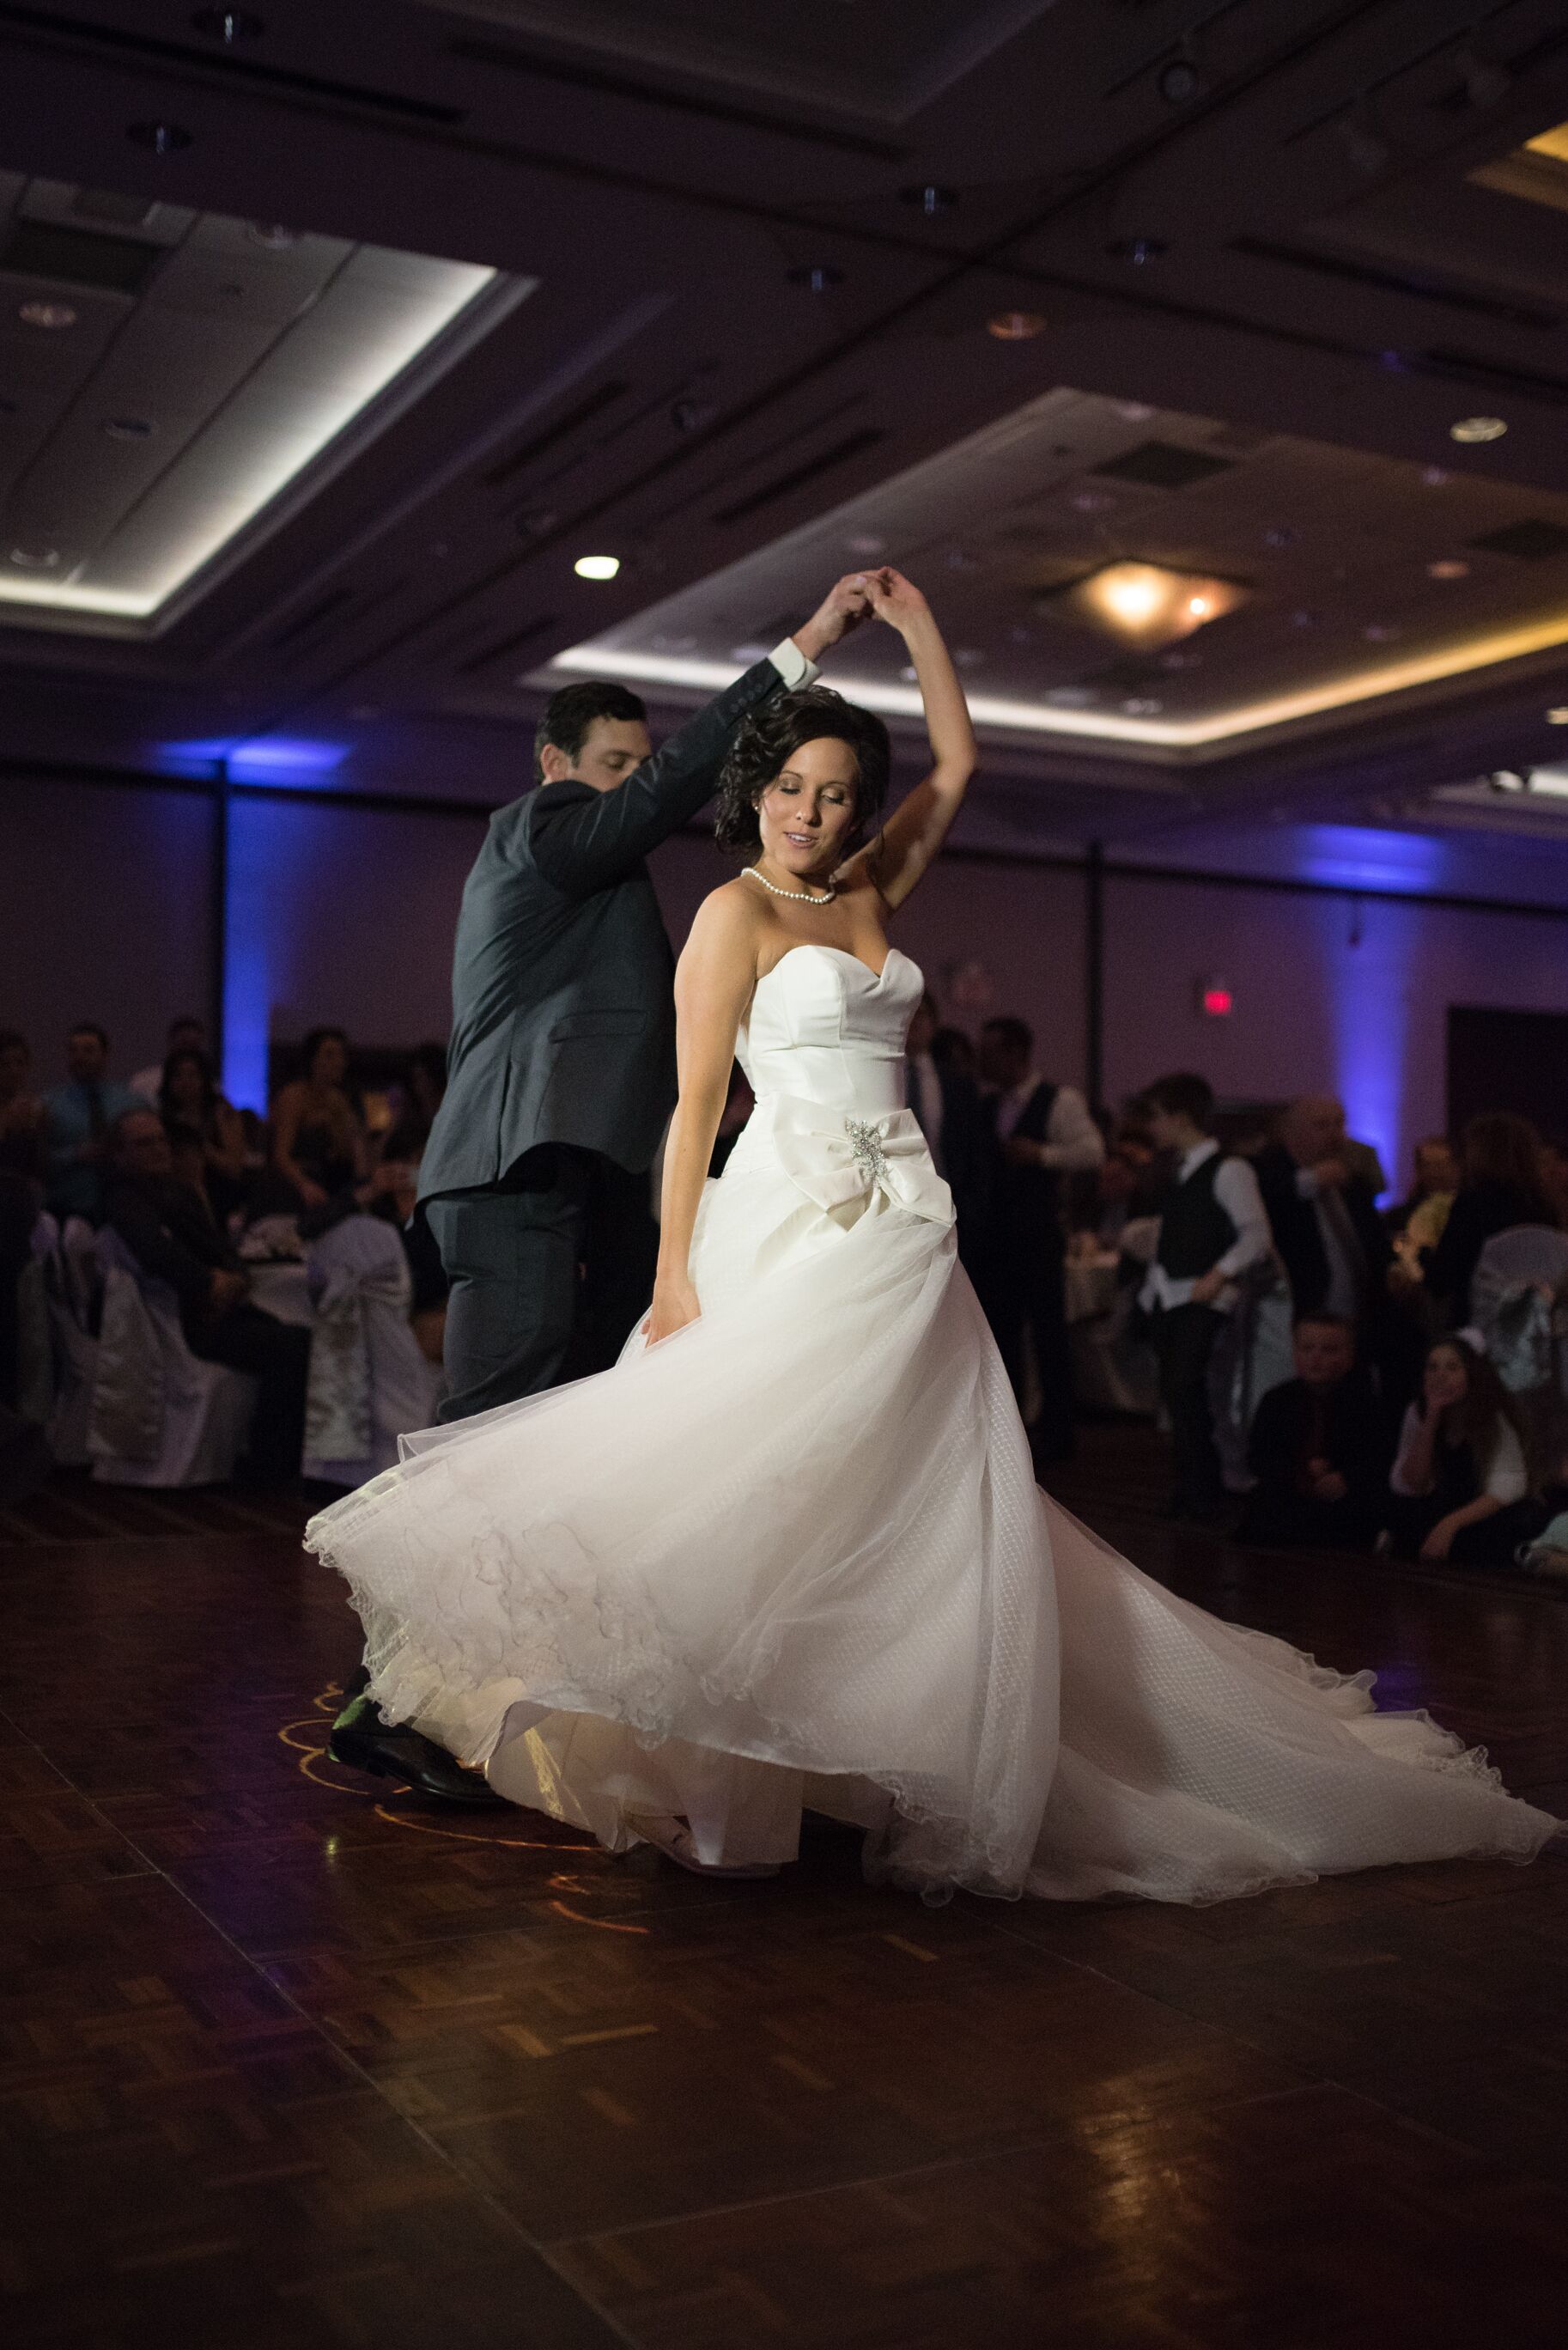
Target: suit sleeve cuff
x: 793, y: 666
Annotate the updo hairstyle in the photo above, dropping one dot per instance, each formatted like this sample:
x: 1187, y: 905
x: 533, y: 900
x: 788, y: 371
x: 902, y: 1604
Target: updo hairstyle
x: 768, y: 740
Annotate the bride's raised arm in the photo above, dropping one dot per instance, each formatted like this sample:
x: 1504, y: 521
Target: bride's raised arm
x: 714, y: 984
x: 898, y: 856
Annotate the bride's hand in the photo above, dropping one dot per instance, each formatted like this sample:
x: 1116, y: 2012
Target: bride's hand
x: 674, y: 1306
x: 895, y: 599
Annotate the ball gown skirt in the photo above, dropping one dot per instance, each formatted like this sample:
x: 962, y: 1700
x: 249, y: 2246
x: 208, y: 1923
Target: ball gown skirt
x: 795, y: 1556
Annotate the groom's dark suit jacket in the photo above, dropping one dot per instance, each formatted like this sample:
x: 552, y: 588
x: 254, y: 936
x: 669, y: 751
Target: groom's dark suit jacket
x: 562, y: 1018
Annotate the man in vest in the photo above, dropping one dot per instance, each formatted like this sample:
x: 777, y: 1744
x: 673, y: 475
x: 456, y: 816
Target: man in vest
x: 1213, y: 1226
x: 1043, y: 1132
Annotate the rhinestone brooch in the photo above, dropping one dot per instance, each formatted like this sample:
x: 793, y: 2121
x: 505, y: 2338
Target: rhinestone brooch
x: 866, y: 1144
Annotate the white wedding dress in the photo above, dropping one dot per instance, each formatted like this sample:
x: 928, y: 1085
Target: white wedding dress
x: 795, y: 1555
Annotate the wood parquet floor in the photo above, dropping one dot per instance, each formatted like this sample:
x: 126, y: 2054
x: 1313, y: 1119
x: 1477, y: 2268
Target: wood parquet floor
x: 289, y: 2061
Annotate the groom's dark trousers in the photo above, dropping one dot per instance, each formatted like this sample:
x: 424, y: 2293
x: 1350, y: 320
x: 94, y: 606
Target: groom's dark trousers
x: 561, y: 1071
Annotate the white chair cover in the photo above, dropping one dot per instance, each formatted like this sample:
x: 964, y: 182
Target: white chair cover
x: 368, y: 1384
x: 160, y: 1417
x: 1519, y: 1302
x: 73, y: 1348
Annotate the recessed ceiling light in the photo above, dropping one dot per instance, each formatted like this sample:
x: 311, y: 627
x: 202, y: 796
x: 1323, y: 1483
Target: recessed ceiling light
x: 969, y: 657
x: 866, y: 543
x: 1303, y: 619
x: 1015, y: 326
x: 272, y: 235
x: 1433, y: 477
x: 1280, y: 533
x: 1558, y: 716
x: 597, y: 566
x: 1090, y: 500
x: 909, y: 676
x: 1131, y: 411
x: 1449, y: 567
x: 930, y: 200
x: 163, y: 138
x: 36, y: 559
x: 1178, y: 81
x: 1508, y: 779
x: 817, y: 276
x: 1379, y: 632
x: 1146, y: 602
x: 128, y: 428
x: 1478, y: 428
x: 228, y: 25
x: 1143, y: 705
x: 53, y: 315
x: 1071, y: 697
x: 1139, y: 249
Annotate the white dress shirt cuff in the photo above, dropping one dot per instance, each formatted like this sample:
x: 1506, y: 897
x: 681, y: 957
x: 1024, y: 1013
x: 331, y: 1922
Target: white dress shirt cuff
x: 793, y: 666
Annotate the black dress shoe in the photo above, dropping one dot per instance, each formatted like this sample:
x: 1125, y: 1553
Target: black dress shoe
x: 362, y: 1741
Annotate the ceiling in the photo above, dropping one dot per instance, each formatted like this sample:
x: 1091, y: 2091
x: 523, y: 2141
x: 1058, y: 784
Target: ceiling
x: 728, y: 271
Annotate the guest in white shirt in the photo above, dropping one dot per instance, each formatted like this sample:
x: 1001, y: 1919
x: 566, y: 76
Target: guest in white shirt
x: 1462, y: 1479
x: 1043, y: 1132
x: 1212, y: 1227
x: 186, y: 1034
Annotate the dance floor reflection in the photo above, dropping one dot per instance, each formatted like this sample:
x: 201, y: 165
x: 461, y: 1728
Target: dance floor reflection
x: 289, y: 2057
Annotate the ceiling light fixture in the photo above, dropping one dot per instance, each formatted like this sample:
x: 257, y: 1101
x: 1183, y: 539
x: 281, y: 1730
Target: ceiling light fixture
x: 1472, y: 428
x: 229, y: 26
x: 1449, y: 567
x: 162, y: 138
x: 1015, y: 326
x: 36, y: 559
x: 1139, y: 249
x: 817, y: 276
x: 930, y: 200
x: 1558, y: 716
x: 1508, y: 779
x: 272, y: 235
x: 1144, y: 602
x: 53, y: 316
x: 597, y: 566
x: 1178, y: 80
x: 128, y: 428
x: 1366, y: 149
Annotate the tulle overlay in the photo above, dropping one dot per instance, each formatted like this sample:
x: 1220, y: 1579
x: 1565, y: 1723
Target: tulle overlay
x: 796, y: 1555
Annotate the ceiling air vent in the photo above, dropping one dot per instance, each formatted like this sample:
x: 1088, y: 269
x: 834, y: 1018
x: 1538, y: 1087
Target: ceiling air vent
x: 76, y: 256
x: 1532, y: 541
x: 1161, y: 465
x: 596, y: 401
x: 506, y: 647
x: 782, y: 483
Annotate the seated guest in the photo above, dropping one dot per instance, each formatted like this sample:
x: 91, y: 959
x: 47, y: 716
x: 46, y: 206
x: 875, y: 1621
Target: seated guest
x: 1323, y: 1215
x: 203, y: 1129
x: 1437, y: 1175
x: 1461, y: 1481
x: 952, y: 1118
x: 1319, y: 1447
x: 1043, y: 1132
x: 317, y: 1136
x: 1212, y: 1227
x: 1499, y: 1186
x: 21, y: 1111
x: 186, y: 1034
x: 167, y: 1227
x: 78, y: 1117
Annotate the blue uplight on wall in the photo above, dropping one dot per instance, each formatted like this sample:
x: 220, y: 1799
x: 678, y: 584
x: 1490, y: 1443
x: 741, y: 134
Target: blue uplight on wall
x: 257, y: 758
x: 1351, y: 856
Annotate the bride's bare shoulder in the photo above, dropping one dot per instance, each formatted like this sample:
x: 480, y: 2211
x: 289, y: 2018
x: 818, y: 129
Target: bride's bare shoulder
x: 729, y: 921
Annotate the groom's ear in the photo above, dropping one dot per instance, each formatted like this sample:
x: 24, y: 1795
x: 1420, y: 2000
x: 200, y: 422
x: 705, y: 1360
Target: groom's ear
x: 555, y: 764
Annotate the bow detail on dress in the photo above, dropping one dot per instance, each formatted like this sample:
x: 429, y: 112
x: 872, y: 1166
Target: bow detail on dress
x: 837, y: 1159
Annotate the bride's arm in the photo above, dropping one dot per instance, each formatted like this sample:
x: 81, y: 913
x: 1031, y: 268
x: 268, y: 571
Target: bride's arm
x: 713, y: 982
x: 912, y: 834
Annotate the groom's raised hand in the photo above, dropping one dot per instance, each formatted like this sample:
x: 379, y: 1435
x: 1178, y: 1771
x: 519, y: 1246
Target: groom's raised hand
x: 846, y: 604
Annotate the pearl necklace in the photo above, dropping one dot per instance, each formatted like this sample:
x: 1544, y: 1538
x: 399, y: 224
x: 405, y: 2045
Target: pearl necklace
x: 805, y: 896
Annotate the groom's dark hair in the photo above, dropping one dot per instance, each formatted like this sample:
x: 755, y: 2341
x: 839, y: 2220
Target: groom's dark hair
x: 569, y: 714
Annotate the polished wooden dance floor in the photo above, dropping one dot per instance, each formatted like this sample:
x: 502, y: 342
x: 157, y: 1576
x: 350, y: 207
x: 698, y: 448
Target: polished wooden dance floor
x: 288, y: 2062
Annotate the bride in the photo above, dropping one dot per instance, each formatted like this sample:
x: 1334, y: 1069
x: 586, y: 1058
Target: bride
x: 789, y: 1552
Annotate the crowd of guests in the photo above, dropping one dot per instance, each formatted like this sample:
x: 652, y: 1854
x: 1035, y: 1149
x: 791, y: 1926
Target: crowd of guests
x: 1397, y: 1428
x: 199, y: 1192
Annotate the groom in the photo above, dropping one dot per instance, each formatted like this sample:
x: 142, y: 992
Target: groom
x: 562, y: 1069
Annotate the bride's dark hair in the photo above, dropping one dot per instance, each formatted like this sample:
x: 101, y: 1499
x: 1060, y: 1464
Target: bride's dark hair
x: 768, y: 740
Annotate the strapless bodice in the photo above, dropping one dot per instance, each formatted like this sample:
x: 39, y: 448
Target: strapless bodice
x: 826, y: 1028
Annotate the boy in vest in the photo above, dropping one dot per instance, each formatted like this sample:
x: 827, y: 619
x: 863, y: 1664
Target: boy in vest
x: 1212, y: 1227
